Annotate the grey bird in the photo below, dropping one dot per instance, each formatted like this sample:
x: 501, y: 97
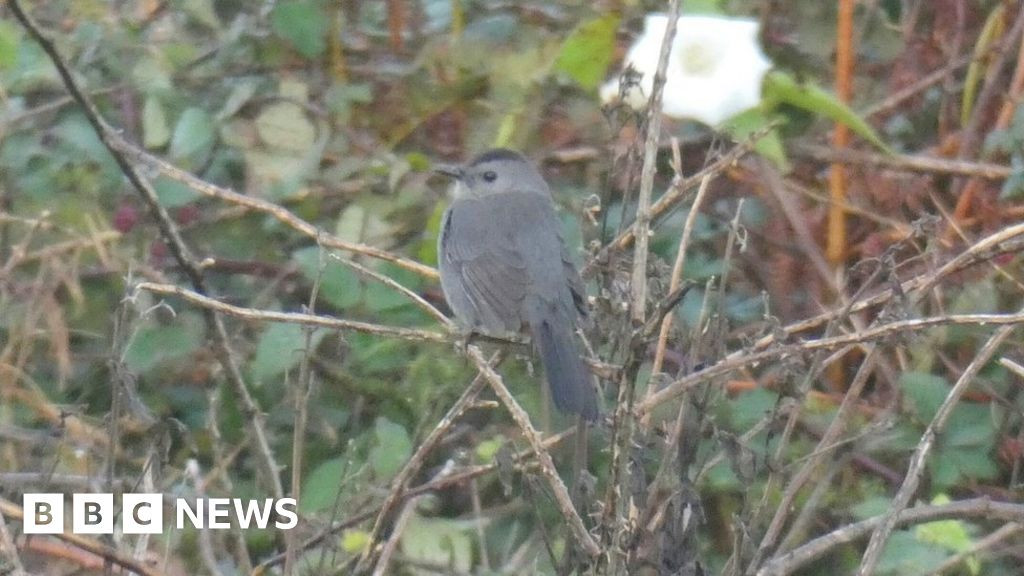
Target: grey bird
x: 504, y: 266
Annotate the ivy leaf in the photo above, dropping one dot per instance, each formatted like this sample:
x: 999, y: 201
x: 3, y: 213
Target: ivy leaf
x: 392, y: 448
x: 193, y: 137
x: 155, y: 132
x: 782, y: 88
x: 587, y: 51
x: 302, y: 24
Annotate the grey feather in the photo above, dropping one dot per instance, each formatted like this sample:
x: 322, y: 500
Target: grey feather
x: 504, y: 266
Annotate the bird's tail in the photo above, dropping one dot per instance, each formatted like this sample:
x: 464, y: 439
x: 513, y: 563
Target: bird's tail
x: 567, y: 375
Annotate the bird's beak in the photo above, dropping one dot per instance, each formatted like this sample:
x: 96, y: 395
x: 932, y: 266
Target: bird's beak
x: 450, y: 170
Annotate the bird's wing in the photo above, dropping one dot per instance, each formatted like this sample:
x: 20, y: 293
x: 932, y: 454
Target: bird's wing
x: 483, y: 274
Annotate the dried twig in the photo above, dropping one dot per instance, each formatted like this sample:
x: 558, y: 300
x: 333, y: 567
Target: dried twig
x: 652, y: 132
x: 12, y: 511
x: 412, y: 466
x: 982, y: 508
x: 547, y: 467
x: 205, y: 302
x: 176, y: 245
x: 920, y: 457
x: 280, y: 213
x: 906, y: 162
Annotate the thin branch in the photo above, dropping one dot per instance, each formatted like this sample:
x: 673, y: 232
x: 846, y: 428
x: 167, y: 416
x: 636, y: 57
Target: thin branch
x: 652, y: 129
x: 677, y: 277
x: 412, y: 466
x: 1008, y: 239
x: 455, y: 478
x: 12, y: 511
x: 205, y: 302
x: 803, y: 476
x: 920, y: 458
x: 391, y: 283
x: 906, y: 162
x: 981, y: 508
x: 547, y: 467
x: 176, y: 245
x: 280, y: 213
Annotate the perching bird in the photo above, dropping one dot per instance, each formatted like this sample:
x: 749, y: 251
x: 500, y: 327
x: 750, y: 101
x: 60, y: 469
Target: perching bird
x: 504, y: 266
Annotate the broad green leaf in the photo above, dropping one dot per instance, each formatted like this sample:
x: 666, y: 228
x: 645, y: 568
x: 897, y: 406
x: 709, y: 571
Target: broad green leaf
x: 951, y: 465
x: 354, y: 541
x: 780, y: 87
x: 280, y: 348
x: 338, y: 285
x: 750, y: 407
x: 992, y: 31
x: 427, y: 252
x: 193, y: 137
x: 320, y: 488
x: 203, y: 12
x: 155, y: 131
x: 586, y: 53
x: 392, y: 447
x: 9, y: 40
x: 151, y: 76
x: 742, y: 125
x: 950, y: 534
x: 156, y: 343
x: 303, y: 23
x: 970, y: 425
x: 284, y: 125
x: 173, y: 193
x: 905, y: 554
x: 438, y: 542
x: 927, y: 392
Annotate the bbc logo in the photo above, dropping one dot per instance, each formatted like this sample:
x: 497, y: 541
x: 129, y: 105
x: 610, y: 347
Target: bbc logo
x: 143, y: 513
x: 93, y: 513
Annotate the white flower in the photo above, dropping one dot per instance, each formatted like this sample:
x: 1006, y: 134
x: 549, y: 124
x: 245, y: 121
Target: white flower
x: 714, y: 70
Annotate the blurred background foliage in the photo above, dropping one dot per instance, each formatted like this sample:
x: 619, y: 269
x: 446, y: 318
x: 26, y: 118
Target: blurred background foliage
x: 336, y: 110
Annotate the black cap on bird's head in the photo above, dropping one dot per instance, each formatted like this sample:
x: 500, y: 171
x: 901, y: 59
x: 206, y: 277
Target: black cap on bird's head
x: 495, y: 171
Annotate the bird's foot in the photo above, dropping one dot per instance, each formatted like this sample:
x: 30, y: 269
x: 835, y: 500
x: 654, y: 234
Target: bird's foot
x: 465, y: 338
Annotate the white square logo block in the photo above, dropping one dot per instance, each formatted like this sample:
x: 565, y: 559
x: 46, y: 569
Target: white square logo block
x: 92, y: 513
x: 44, y: 513
x: 142, y: 513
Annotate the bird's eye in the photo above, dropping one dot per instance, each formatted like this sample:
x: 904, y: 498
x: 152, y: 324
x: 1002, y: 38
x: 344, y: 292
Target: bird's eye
x: 490, y: 176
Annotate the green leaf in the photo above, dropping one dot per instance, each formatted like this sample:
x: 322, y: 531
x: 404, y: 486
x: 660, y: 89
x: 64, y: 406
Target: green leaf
x: 203, y: 12
x: 951, y: 466
x: 173, y: 193
x: 157, y: 344
x: 284, y: 125
x: 742, y: 125
x: 969, y: 426
x: 303, y: 24
x: 391, y: 449
x: 926, y: 391
x: 780, y: 87
x: 588, y: 51
x: 438, y: 542
x: 280, y: 348
x: 193, y: 137
x: 750, y: 407
x: 155, y: 131
x: 9, y: 40
x: 950, y: 534
x: 338, y: 285
x: 905, y: 554
x: 320, y: 487
x: 354, y: 541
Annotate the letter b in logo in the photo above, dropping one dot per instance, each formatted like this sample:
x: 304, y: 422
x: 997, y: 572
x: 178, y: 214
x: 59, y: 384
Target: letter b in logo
x: 92, y: 513
x: 44, y: 513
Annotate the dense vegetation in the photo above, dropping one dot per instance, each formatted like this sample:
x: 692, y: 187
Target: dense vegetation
x: 217, y: 247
